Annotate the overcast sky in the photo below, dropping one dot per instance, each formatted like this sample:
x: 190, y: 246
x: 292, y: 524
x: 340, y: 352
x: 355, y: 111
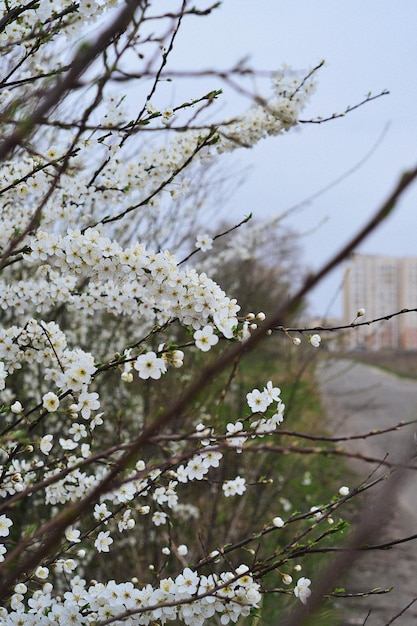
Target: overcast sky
x: 368, y: 46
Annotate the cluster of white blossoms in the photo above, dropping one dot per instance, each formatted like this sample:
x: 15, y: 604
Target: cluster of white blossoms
x: 142, y: 286
x: 266, y: 423
x: 88, y: 261
x: 259, y: 402
x: 20, y: 32
x: 148, y: 287
x: 198, y: 466
x: 82, y: 199
x: 43, y: 343
x: 278, y: 115
x: 191, y: 598
x: 119, y: 186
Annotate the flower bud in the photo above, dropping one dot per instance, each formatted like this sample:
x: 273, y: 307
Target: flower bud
x: 315, y: 340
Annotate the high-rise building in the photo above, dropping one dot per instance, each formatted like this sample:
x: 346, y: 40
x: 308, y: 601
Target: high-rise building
x: 381, y: 285
x: 408, y: 290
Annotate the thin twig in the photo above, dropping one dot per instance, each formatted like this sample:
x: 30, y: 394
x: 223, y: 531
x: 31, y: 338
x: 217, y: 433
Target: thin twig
x: 404, y: 610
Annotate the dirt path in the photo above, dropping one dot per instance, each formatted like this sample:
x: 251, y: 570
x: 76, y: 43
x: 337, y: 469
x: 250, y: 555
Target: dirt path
x: 359, y: 398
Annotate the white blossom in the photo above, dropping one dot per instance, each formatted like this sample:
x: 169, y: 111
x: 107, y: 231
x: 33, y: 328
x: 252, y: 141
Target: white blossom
x: 205, y: 338
x: 315, y: 340
x: 16, y: 408
x: 3, y: 375
x: 3, y: 551
x: 233, y: 438
x: 72, y: 535
x: 87, y: 402
x: 103, y: 541
x: 42, y: 572
x: 204, y: 242
x: 46, y: 444
x: 258, y: 401
x: 302, y: 589
x: 149, y: 365
x: 159, y: 518
x: 234, y: 487
x: 50, y: 402
x: 5, y: 524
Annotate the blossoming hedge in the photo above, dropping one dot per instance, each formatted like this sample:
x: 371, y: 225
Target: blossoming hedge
x: 95, y: 176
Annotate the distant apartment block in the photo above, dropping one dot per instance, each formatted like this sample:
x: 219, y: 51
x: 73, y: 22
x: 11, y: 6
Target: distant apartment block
x: 382, y: 285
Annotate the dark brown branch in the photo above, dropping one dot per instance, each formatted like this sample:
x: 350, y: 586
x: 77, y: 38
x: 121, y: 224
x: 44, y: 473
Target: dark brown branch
x: 353, y: 324
x: 330, y: 452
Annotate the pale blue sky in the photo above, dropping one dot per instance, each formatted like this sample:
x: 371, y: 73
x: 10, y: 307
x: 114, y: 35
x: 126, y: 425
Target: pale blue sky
x: 368, y: 45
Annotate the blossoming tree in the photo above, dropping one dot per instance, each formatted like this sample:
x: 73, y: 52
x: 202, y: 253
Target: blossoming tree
x: 95, y: 312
